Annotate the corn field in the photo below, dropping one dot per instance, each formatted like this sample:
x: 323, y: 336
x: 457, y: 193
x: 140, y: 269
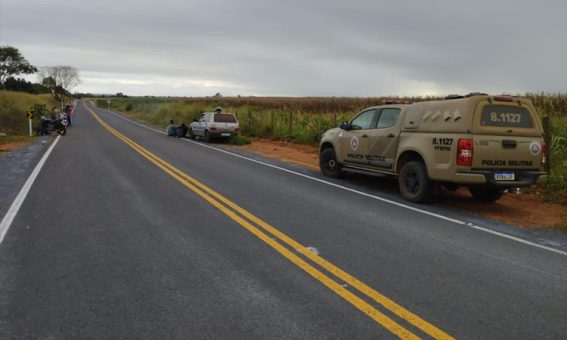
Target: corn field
x: 303, y: 119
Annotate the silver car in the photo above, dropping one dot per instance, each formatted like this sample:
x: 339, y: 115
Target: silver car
x: 214, y: 125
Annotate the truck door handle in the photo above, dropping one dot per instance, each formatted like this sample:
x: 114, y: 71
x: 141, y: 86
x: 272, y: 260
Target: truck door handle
x: 391, y: 135
x: 509, y: 144
x: 364, y: 136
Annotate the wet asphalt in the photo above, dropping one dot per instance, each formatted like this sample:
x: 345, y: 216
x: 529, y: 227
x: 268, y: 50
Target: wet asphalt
x: 107, y: 245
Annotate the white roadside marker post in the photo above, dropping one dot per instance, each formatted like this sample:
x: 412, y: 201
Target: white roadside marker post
x: 30, y: 114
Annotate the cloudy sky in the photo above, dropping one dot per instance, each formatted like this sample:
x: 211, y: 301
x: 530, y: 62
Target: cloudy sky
x: 296, y: 48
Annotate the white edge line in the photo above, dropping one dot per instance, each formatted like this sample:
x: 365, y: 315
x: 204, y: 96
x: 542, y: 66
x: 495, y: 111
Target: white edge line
x: 385, y: 200
x: 15, y: 207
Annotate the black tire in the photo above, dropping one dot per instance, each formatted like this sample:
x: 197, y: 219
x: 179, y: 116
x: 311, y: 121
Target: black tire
x: 328, y: 163
x: 191, y: 134
x: 486, y: 194
x: 207, y: 137
x: 62, y: 131
x: 415, y: 185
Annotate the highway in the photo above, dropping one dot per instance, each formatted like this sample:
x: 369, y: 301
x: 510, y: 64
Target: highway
x: 127, y: 233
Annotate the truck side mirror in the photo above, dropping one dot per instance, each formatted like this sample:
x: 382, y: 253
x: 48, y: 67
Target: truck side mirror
x: 345, y: 126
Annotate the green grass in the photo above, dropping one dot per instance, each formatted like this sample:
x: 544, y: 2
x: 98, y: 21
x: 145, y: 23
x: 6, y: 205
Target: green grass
x: 13, y: 108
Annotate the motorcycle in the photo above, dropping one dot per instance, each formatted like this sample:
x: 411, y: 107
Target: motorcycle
x: 48, y: 125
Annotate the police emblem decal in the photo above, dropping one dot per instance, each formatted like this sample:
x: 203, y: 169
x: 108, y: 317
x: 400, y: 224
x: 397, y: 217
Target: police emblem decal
x: 535, y: 148
x: 354, y: 143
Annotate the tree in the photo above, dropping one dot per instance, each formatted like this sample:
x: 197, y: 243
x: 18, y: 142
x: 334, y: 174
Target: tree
x: 57, y: 91
x: 22, y: 85
x: 12, y: 63
x: 60, y: 80
x: 65, y: 76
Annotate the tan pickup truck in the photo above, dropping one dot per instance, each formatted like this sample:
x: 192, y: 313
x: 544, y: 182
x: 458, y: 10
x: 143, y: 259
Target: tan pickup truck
x: 486, y: 143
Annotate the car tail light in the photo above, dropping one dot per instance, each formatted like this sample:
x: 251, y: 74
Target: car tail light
x: 213, y: 127
x: 465, y: 152
x: 237, y: 129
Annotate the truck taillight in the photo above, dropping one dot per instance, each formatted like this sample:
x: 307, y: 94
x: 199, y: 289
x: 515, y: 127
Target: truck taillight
x: 465, y: 152
x: 543, y: 153
x: 213, y: 127
x: 237, y: 129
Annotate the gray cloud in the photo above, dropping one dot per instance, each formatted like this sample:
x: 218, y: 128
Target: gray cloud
x: 357, y: 48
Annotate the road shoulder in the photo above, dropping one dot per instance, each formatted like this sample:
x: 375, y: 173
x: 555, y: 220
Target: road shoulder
x: 16, y: 166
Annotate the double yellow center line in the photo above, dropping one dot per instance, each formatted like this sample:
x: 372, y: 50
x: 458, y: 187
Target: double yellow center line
x: 259, y: 228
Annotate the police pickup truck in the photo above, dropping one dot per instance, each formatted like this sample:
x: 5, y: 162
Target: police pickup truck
x: 486, y: 143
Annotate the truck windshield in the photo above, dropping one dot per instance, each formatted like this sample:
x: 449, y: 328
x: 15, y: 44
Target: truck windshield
x: 506, y: 116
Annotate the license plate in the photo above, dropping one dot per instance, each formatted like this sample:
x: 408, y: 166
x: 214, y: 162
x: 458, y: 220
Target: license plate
x: 504, y: 176
x: 225, y: 134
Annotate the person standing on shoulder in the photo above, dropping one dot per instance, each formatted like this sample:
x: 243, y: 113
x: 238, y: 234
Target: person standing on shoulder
x: 171, y: 129
x: 69, y: 112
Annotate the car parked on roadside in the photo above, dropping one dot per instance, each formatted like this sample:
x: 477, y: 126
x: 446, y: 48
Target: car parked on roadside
x: 211, y: 125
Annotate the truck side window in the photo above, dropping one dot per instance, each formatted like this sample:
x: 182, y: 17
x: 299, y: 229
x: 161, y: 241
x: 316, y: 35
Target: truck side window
x: 363, y: 121
x: 388, y: 118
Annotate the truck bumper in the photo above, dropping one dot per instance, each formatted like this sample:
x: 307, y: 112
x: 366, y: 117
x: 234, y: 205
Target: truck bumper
x: 522, y: 178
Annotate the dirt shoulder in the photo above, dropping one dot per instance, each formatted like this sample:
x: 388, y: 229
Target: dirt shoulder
x: 9, y: 143
x: 526, y: 210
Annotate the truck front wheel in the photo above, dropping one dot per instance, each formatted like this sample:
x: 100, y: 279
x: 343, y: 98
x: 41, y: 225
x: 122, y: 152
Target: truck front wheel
x: 328, y: 163
x: 486, y: 194
x: 415, y: 185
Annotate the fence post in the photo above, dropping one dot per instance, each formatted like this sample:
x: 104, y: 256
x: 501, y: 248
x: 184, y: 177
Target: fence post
x: 547, y: 139
x: 334, y: 119
x: 290, y: 125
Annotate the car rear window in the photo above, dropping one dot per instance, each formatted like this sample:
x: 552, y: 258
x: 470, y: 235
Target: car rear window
x: 224, y: 118
x: 506, y: 116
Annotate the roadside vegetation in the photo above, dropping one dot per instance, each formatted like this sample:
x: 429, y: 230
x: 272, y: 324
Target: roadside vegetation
x: 301, y: 120
x: 13, y: 108
x: 19, y: 96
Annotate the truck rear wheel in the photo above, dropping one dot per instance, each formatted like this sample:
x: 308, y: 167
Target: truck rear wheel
x: 415, y: 185
x: 207, y: 137
x: 328, y: 163
x: 486, y: 194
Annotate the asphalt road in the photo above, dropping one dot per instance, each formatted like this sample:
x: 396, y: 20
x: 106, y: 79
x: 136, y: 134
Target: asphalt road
x: 127, y: 233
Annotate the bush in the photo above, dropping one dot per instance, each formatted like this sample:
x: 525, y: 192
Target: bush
x: 239, y: 140
x: 13, y: 108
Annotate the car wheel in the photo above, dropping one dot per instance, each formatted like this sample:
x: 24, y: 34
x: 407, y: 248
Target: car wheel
x: 207, y: 137
x: 191, y: 134
x: 486, y: 194
x: 415, y: 185
x: 328, y: 163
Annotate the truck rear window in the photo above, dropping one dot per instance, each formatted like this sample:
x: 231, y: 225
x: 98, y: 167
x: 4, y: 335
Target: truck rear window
x: 506, y: 116
x: 224, y: 118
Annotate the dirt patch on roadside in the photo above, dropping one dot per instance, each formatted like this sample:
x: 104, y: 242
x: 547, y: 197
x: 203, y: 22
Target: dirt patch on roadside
x: 304, y: 155
x: 10, y: 143
x: 10, y: 146
x: 526, y: 210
